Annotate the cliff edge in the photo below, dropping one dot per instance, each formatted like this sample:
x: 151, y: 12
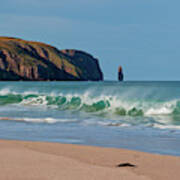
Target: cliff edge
x: 35, y: 61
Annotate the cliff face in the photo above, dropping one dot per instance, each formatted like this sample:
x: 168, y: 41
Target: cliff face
x: 27, y: 60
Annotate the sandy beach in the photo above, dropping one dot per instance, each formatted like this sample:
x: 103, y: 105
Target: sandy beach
x: 49, y: 161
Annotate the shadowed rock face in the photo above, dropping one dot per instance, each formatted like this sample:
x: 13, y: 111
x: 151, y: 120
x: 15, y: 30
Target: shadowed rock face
x: 35, y: 61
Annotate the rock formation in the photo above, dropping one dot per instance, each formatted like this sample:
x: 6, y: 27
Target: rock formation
x: 120, y: 74
x: 35, y: 61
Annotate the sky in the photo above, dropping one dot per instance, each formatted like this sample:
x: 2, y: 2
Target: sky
x: 141, y: 35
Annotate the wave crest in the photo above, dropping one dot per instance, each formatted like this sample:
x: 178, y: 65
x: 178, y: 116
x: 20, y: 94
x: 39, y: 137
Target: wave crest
x: 93, y: 104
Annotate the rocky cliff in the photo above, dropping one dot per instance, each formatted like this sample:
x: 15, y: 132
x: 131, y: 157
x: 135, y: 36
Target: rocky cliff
x: 35, y: 61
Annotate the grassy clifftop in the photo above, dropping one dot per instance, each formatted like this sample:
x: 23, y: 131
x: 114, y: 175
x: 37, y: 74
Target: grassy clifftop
x: 29, y: 60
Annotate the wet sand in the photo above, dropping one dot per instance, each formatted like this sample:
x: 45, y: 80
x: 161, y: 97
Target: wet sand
x: 21, y: 160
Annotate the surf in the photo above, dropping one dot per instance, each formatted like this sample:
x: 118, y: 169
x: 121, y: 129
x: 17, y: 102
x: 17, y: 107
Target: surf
x: 115, y: 104
x: 105, y: 103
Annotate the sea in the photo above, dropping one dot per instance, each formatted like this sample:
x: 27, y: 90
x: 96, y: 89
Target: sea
x: 143, y: 116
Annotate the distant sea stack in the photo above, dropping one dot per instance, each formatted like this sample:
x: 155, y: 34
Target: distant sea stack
x: 35, y: 61
x: 120, y: 74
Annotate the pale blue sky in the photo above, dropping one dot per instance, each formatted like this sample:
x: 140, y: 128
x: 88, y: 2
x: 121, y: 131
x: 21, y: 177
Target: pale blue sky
x: 141, y: 35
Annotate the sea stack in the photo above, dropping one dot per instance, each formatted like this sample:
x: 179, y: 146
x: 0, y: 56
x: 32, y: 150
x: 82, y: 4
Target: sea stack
x: 120, y: 74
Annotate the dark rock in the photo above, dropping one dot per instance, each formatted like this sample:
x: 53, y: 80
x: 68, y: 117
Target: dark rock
x: 126, y: 165
x: 120, y: 74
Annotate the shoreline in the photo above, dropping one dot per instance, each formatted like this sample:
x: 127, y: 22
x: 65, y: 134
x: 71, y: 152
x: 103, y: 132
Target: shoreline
x: 46, y: 160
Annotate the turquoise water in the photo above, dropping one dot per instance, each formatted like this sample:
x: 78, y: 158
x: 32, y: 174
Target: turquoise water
x: 143, y: 116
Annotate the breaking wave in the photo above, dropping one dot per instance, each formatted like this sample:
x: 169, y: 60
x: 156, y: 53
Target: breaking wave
x: 86, y: 102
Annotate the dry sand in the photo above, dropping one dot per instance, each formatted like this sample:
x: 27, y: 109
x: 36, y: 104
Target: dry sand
x: 21, y: 160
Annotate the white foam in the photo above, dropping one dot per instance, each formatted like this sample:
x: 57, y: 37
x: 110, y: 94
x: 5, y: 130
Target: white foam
x: 30, y: 92
x: 39, y: 120
x: 4, y: 91
x: 158, y: 111
x: 161, y: 108
x: 159, y: 126
x: 40, y: 100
